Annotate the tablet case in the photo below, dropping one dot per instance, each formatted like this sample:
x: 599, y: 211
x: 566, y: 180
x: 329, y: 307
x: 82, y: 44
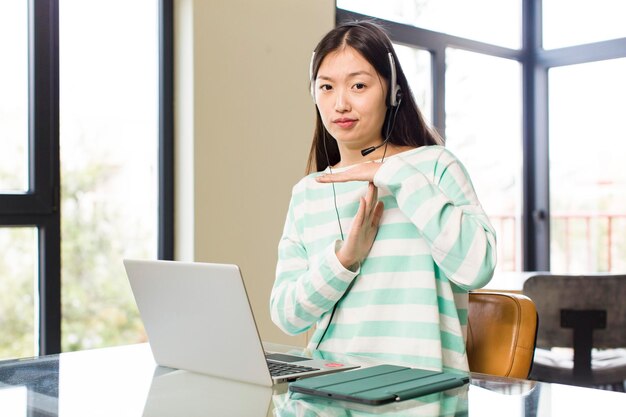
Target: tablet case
x: 379, y: 384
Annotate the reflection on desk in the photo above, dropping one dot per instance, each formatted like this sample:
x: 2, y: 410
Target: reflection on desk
x: 182, y: 393
x: 449, y: 403
x: 125, y: 381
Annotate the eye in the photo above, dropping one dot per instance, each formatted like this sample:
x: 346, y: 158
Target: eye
x: 359, y: 86
x: 326, y: 87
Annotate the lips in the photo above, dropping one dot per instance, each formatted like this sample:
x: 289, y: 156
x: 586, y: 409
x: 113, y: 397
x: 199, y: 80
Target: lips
x: 344, y: 122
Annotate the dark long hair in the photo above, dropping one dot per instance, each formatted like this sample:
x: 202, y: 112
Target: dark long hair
x: 371, y: 41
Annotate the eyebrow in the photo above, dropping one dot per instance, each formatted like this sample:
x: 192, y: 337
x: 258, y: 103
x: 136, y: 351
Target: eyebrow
x: 352, y: 74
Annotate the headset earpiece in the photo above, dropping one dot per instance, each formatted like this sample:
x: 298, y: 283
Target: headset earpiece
x: 395, y: 93
x: 398, y: 96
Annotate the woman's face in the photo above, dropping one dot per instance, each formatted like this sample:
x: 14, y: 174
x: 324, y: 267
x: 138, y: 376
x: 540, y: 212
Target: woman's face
x: 350, y: 96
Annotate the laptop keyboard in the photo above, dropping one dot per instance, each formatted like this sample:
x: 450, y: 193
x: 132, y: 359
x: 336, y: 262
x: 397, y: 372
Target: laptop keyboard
x: 281, y: 368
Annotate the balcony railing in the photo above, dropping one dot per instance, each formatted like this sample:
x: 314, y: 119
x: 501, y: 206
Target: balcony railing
x: 580, y: 242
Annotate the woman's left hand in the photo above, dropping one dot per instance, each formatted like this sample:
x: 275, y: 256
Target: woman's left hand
x: 361, y: 172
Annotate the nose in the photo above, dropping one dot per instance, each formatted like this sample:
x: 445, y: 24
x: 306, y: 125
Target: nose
x: 341, y: 103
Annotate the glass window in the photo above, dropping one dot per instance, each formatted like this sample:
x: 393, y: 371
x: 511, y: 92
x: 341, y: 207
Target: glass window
x: 109, y: 144
x: 18, y: 289
x: 483, y: 128
x: 416, y: 64
x: 493, y: 21
x: 572, y: 22
x: 587, y: 176
x: 14, y: 96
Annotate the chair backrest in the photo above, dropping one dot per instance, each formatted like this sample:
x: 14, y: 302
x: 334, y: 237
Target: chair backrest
x: 553, y: 294
x: 501, y: 332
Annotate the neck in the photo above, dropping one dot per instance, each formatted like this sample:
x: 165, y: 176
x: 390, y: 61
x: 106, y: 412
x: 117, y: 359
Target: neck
x: 354, y: 156
x: 387, y: 150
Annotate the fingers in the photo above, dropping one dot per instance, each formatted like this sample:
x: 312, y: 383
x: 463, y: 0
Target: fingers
x: 364, y: 228
x: 371, y: 199
x: 367, y: 205
x: 369, y: 208
x: 361, y: 172
x: 377, y: 214
x: 328, y: 178
x: 361, y: 213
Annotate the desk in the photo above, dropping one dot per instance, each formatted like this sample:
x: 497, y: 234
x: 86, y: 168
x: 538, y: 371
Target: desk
x: 125, y: 381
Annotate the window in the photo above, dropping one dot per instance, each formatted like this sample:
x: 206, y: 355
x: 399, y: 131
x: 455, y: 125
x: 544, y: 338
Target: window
x: 14, y: 97
x: 468, y: 19
x: 538, y: 129
x: 108, y: 144
x: 18, y: 317
x: 483, y: 128
x: 572, y: 22
x: 86, y: 170
x: 417, y: 64
x: 588, y: 181
x: 29, y: 228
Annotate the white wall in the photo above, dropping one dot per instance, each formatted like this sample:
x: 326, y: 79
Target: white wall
x: 244, y: 122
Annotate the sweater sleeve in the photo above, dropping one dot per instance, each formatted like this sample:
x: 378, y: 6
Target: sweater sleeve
x: 441, y: 202
x: 305, y: 288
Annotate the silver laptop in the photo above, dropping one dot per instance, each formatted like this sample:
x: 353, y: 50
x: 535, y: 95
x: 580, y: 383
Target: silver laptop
x: 198, y: 318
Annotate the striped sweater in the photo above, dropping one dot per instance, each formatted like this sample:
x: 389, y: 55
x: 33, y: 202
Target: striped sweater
x: 408, y: 302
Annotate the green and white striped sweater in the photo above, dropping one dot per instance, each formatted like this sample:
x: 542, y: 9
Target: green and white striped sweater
x: 408, y: 303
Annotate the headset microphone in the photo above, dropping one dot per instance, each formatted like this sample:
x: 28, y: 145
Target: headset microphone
x: 371, y: 149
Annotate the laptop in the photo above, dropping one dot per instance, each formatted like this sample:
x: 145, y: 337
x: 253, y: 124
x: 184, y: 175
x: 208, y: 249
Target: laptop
x: 198, y: 318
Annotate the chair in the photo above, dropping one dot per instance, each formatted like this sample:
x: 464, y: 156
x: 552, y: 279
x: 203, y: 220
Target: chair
x: 586, y: 314
x: 501, y: 332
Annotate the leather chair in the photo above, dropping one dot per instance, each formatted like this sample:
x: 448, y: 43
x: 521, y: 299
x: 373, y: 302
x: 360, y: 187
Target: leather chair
x: 582, y: 332
x: 501, y: 333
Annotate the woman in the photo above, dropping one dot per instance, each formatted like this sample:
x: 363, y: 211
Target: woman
x: 395, y: 285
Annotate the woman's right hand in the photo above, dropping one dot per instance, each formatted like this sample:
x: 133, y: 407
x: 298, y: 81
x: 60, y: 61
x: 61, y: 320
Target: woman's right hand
x: 363, y: 231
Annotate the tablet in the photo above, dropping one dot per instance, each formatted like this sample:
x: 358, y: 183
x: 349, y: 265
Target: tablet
x: 379, y: 384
